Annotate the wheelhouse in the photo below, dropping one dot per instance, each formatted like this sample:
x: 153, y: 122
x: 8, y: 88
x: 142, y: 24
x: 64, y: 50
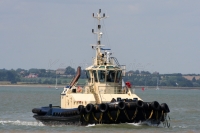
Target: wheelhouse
x: 104, y: 74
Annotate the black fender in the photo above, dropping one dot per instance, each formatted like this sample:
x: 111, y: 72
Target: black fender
x: 145, y: 105
x: 121, y: 105
x: 130, y: 105
x: 137, y: 104
x: 140, y: 104
x: 80, y: 109
x: 89, y: 108
x: 165, y: 108
x: 39, y: 111
x: 103, y: 107
x: 155, y: 105
x: 36, y: 110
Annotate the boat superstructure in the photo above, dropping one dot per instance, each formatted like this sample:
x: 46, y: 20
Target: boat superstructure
x: 104, y: 99
x: 104, y: 78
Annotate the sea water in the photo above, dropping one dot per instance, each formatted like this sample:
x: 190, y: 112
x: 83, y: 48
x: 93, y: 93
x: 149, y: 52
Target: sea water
x: 16, y: 104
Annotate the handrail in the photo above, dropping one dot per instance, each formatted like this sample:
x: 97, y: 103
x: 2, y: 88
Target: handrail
x: 116, y: 61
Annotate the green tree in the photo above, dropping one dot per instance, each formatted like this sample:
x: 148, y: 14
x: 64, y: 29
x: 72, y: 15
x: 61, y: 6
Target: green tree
x: 83, y: 75
x: 39, y: 81
x: 3, y: 75
x: 19, y: 70
x: 12, y: 76
x: 137, y: 72
x: 70, y: 71
x: 33, y: 70
x: 145, y: 72
x: 194, y: 79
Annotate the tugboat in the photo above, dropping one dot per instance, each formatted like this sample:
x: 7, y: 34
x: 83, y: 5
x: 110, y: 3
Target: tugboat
x: 103, y: 100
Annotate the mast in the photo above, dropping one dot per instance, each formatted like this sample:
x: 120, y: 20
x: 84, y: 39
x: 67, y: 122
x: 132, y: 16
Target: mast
x: 99, y: 59
x: 99, y: 34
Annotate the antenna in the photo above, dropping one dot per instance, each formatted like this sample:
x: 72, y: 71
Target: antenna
x: 99, y: 34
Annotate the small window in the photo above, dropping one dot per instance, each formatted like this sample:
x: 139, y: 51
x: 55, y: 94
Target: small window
x: 95, y: 76
x: 102, y: 67
x: 88, y: 75
x: 118, y: 77
x: 109, y: 67
x: 110, y: 76
x: 102, y: 76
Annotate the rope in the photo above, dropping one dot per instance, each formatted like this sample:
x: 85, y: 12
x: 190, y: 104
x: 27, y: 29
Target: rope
x: 156, y: 115
x: 161, y: 116
x: 165, y: 122
x: 94, y: 116
x: 110, y: 116
x: 144, y: 114
x: 136, y: 110
x: 100, y: 118
x: 150, y: 115
x: 118, y: 112
x: 126, y: 114
x: 134, y: 115
x: 168, y: 124
x: 87, y: 117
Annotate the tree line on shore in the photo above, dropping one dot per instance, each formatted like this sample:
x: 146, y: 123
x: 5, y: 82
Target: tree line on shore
x: 137, y: 78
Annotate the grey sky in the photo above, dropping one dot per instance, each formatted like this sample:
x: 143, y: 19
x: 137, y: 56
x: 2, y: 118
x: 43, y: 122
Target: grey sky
x: 150, y: 35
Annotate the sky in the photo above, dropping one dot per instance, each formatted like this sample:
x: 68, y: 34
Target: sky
x: 145, y: 35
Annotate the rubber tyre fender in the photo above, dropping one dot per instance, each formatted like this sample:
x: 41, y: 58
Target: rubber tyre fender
x: 155, y: 105
x: 121, y: 105
x: 103, y: 107
x: 80, y: 109
x: 36, y: 110
x: 140, y: 104
x: 165, y: 108
x: 89, y: 108
x: 145, y: 106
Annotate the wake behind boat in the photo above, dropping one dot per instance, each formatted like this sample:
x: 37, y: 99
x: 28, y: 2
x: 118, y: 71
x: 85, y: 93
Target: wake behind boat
x: 105, y: 99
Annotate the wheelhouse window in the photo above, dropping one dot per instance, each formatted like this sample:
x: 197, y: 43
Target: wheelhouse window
x: 109, y: 67
x: 118, y: 76
x: 95, y: 75
x: 102, y: 76
x: 88, y: 75
x: 110, y: 76
x: 103, y: 67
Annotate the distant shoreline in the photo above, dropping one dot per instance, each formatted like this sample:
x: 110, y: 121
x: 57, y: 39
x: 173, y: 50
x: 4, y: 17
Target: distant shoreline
x: 33, y: 85
x: 62, y: 86
x: 168, y: 87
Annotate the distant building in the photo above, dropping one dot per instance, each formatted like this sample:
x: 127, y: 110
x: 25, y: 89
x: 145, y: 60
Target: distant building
x: 22, y: 73
x: 60, y: 71
x: 155, y: 73
x: 129, y: 74
x: 32, y: 75
x: 191, y: 77
x: 51, y: 71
